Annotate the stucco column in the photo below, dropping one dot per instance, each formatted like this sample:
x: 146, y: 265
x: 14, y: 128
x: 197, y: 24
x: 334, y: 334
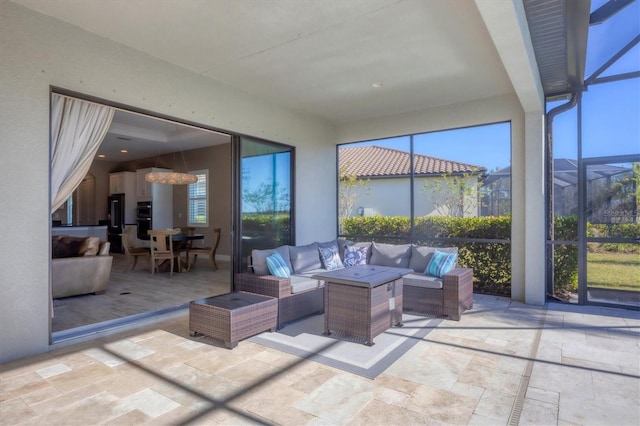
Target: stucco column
x: 534, y: 211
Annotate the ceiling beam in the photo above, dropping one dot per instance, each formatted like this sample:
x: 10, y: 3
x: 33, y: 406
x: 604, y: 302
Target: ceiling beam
x: 506, y: 22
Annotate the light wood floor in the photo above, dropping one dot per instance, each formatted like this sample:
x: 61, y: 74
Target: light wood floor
x: 137, y: 292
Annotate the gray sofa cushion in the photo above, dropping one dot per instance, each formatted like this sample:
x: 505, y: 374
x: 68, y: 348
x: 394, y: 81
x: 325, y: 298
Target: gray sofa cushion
x: 304, y: 258
x: 421, y: 280
x: 421, y: 255
x: 259, y: 259
x: 390, y: 255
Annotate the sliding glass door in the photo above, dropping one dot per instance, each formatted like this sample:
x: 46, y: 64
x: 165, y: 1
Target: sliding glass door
x: 611, y: 243
x: 265, y: 198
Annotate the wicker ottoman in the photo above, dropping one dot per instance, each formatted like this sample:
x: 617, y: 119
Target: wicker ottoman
x: 233, y: 316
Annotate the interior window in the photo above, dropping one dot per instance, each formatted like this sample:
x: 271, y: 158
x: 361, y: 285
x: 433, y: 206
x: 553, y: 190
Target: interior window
x: 198, y: 203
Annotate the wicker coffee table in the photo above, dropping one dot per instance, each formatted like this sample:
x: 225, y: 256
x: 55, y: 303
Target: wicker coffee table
x: 362, y: 301
x: 233, y: 316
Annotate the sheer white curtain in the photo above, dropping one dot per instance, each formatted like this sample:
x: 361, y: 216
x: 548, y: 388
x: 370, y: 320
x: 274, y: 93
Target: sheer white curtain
x: 77, y: 130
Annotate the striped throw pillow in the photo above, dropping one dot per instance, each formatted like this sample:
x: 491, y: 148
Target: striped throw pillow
x: 277, y: 266
x: 441, y: 263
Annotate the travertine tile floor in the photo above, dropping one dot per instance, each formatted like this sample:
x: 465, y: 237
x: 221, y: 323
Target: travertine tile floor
x: 503, y: 363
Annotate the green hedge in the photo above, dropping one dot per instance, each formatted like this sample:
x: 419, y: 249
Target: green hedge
x: 491, y: 262
x: 565, y: 256
x: 265, y: 230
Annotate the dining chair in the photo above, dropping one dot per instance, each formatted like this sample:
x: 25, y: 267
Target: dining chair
x: 184, y: 246
x: 133, y: 252
x: 211, y: 251
x: 162, y: 249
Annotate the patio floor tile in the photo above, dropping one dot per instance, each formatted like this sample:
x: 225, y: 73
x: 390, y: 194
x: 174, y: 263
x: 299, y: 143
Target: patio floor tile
x: 563, y: 364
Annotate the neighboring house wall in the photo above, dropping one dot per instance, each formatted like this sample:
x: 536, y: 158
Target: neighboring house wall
x: 391, y: 197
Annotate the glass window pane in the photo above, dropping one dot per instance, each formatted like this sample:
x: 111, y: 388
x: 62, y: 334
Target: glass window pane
x: 609, y: 37
x: 610, y: 119
x: 629, y: 62
x: 266, y: 196
x: 374, y: 181
x: 197, y: 213
x: 565, y: 165
x: 463, y: 173
x: 613, y: 274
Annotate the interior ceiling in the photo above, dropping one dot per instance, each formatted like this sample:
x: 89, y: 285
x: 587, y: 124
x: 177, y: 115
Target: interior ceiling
x: 319, y: 57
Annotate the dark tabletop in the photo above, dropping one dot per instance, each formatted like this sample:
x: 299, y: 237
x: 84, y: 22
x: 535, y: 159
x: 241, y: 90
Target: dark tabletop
x: 233, y: 300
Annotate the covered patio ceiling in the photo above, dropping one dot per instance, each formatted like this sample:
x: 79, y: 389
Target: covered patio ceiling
x: 355, y: 60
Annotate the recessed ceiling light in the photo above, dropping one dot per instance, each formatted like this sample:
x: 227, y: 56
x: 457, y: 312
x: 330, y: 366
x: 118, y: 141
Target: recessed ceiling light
x: 377, y: 84
x: 101, y: 156
x: 124, y: 151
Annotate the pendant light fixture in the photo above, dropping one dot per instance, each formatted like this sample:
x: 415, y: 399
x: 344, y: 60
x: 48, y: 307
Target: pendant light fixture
x: 172, y: 177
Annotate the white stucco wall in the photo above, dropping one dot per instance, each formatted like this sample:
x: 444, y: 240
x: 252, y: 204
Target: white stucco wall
x: 38, y: 52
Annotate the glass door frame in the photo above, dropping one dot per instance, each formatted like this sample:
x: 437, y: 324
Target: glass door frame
x: 237, y: 233
x: 583, y: 239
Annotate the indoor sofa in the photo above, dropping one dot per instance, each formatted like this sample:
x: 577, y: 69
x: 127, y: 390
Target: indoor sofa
x: 79, y: 266
x: 300, y: 295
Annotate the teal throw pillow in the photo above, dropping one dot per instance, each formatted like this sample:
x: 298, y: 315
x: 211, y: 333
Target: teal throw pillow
x: 441, y: 263
x: 330, y: 257
x: 277, y: 266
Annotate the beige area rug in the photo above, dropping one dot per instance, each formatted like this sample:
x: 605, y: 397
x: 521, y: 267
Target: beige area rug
x: 305, y: 339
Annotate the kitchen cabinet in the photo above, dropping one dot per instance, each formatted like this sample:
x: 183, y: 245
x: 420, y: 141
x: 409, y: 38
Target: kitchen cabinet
x: 125, y: 183
x: 121, y: 183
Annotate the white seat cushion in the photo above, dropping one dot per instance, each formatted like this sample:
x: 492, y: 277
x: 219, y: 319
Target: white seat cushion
x: 301, y: 283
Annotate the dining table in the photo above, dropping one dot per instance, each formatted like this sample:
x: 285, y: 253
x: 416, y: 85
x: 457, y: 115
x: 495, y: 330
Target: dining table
x: 182, y: 242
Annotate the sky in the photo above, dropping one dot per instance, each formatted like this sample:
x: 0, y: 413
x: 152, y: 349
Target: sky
x: 487, y: 146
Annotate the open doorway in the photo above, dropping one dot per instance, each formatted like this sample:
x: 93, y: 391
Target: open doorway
x: 134, y: 144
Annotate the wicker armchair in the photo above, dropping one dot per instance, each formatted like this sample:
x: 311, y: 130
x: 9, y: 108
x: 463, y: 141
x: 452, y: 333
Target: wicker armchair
x: 455, y: 296
x: 291, y: 306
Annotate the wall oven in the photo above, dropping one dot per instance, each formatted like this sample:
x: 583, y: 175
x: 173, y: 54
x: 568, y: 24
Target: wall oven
x: 144, y: 224
x: 143, y: 219
x: 143, y: 210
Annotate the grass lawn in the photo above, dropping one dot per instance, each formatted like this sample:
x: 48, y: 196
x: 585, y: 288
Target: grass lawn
x: 614, y: 270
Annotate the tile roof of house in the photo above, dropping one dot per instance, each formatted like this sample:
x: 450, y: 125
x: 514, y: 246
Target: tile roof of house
x: 376, y: 161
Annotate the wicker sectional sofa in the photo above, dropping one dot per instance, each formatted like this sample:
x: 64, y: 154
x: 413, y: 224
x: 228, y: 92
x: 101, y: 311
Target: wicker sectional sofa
x: 300, y: 295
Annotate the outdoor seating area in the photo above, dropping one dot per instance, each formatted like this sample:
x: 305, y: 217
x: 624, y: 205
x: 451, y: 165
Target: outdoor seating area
x: 447, y: 293
x: 289, y: 213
